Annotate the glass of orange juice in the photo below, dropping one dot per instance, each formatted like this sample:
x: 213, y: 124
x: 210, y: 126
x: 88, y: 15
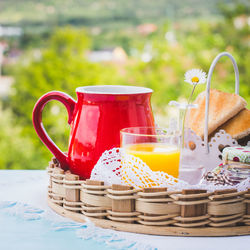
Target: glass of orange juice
x: 156, y: 147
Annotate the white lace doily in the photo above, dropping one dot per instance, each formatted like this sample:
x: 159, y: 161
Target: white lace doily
x: 117, y: 167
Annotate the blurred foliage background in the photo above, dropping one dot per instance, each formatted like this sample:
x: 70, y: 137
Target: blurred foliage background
x: 58, y: 45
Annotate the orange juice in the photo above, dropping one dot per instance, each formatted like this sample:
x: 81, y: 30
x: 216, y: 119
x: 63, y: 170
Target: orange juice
x: 159, y: 157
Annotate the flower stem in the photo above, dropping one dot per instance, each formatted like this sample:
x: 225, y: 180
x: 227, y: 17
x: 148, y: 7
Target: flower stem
x: 185, y: 114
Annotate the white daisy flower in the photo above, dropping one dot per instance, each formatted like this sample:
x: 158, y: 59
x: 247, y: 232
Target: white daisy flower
x: 195, y: 76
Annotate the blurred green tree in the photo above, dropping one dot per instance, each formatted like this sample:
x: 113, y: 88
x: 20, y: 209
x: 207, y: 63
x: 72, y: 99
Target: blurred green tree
x: 163, y: 58
x: 61, y: 66
x: 17, y: 151
x: 158, y: 61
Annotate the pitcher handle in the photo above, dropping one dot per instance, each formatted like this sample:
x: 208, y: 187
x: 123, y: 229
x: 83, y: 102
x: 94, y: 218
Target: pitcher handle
x: 69, y: 103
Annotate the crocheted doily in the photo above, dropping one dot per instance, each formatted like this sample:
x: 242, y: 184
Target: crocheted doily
x: 117, y: 167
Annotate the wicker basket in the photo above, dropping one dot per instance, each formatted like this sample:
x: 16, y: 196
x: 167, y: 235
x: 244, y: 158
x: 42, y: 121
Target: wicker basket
x: 156, y: 210
x: 150, y: 210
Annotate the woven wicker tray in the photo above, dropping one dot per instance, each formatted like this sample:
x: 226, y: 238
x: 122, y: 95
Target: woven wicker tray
x: 151, y: 210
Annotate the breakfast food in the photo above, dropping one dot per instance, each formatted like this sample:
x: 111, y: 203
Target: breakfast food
x: 226, y: 111
x: 237, y: 154
x: 235, y: 167
x: 238, y: 126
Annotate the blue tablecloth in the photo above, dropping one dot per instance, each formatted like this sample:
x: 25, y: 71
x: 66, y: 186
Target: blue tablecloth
x: 26, y: 222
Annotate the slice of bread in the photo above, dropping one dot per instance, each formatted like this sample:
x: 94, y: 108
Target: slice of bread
x: 238, y: 126
x: 222, y: 107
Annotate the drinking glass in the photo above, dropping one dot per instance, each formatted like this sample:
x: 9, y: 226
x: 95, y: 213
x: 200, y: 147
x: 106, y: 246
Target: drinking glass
x: 157, y: 147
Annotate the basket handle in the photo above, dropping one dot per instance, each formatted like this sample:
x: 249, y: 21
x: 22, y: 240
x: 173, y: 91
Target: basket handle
x: 211, y: 69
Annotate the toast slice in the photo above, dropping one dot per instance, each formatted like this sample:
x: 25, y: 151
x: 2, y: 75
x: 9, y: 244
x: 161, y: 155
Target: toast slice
x: 222, y: 107
x: 238, y: 126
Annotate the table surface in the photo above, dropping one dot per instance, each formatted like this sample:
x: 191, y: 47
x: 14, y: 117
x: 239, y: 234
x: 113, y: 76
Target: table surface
x: 29, y: 223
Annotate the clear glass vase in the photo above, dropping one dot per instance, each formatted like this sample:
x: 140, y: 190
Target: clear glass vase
x: 189, y: 169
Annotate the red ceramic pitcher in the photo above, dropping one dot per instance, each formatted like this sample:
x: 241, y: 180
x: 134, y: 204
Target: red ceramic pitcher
x: 96, y: 119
